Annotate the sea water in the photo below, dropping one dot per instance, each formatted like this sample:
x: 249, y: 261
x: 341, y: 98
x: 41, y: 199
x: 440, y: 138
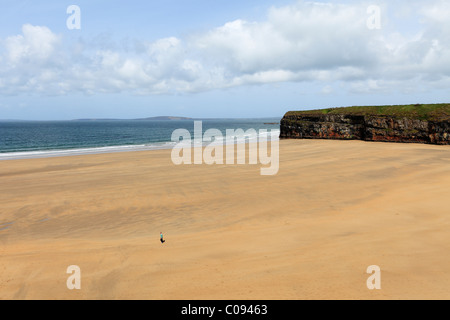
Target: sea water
x: 37, y: 139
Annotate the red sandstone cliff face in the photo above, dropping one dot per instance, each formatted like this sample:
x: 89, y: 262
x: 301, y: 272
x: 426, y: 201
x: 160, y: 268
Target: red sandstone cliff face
x: 367, y: 128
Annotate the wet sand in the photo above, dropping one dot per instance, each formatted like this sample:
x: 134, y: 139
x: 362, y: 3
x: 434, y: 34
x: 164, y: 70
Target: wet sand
x: 309, y: 232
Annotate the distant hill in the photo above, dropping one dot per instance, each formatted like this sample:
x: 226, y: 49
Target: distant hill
x: 165, y: 118
x: 161, y: 118
x: 172, y: 118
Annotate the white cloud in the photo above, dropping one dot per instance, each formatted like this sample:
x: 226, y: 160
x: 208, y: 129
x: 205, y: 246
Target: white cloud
x: 35, y: 44
x: 306, y: 36
x: 305, y: 41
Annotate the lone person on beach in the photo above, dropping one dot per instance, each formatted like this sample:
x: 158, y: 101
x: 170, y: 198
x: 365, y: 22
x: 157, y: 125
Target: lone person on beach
x: 162, y: 238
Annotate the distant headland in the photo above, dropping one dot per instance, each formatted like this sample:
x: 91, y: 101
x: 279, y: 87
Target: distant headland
x: 161, y: 118
x: 172, y: 118
x: 419, y: 123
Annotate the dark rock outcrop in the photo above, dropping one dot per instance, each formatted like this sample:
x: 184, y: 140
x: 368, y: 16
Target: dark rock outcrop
x: 364, y: 127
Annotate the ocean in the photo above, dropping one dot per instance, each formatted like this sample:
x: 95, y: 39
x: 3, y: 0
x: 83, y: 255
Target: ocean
x: 37, y: 139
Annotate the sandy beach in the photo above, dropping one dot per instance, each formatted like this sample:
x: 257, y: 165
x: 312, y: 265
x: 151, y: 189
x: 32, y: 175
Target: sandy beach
x: 309, y: 232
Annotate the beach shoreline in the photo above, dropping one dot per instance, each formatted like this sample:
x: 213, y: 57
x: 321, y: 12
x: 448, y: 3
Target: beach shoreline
x: 165, y: 145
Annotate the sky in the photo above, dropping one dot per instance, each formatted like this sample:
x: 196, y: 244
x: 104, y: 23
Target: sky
x: 233, y: 59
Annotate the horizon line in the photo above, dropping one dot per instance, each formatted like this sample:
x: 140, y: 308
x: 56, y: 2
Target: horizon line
x: 157, y: 118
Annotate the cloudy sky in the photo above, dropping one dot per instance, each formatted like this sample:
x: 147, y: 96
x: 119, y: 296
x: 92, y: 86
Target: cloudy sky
x: 221, y: 58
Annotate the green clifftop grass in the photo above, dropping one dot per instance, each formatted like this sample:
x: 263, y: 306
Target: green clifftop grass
x: 434, y: 112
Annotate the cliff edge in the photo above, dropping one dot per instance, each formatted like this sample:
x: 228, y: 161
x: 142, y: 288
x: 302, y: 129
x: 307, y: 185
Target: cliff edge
x: 420, y: 123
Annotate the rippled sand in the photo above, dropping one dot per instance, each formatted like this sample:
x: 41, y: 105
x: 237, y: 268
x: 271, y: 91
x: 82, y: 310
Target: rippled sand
x: 310, y: 232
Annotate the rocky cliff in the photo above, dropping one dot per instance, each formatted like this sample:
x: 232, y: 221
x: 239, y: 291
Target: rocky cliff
x: 417, y: 124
